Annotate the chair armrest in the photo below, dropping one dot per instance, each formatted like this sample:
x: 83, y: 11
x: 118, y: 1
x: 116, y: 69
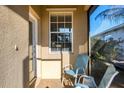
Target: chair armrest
x: 77, y: 71
x: 68, y: 66
x: 90, y: 78
x: 85, y: 76
x: 82, y: 76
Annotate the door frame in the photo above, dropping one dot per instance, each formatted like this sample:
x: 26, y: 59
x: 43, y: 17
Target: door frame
x: 33, y: 14
x: 34, y: 20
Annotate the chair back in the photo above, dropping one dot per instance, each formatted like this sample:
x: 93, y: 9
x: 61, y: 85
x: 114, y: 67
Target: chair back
x: 108, y: 77
x: 82, y: 62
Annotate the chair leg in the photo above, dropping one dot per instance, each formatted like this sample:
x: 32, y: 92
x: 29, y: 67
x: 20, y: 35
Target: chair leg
x: 63, y: 82
x: 71, y: 83
x: 76, y: 80
x: 67, y: 81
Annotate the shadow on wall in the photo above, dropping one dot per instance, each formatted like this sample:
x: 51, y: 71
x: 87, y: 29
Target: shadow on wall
x: 25, y: 72
x: 22, y: 10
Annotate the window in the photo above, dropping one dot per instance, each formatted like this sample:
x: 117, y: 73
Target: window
x: 61, y: 31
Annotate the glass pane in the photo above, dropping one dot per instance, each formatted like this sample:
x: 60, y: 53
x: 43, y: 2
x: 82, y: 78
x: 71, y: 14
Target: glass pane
x: 67, y: 38
x: 60, y: 18
x: 68, y: 27
x: 54, y: 49
x: 59, y: 46
x: 61, y: 27
x: 67, y: 47
x: 30, y: 33
x: 53, y: 40
x: 67, y: 44
x: 60, y: 38
x: 53, y: 18
x: 68, y: 19
x: 53, y: 27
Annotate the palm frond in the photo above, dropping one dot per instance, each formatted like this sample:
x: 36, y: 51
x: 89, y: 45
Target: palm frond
x: 111, y: 14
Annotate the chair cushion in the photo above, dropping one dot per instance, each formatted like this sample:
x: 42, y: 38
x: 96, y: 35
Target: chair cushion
x: 73, y: 72
x: 70, y: 72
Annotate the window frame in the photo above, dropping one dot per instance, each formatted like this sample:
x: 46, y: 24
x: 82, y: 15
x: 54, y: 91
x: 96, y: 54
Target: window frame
x: 60, y: 13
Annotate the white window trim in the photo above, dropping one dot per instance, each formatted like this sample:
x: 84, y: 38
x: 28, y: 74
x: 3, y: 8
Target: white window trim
x: 58, y: 52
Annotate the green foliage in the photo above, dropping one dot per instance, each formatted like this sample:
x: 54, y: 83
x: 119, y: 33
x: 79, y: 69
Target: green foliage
x: 105, y: 50
x: 114, y: 14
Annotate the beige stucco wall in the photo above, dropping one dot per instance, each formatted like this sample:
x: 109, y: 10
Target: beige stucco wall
x: 79, y: 39
x: 14, y: 33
